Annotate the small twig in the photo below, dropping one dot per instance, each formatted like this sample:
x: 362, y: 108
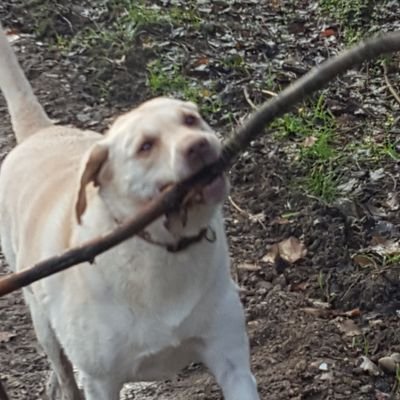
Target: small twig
x: 3, y: 393
x: 169, y: 201
x: 248, y: 99
x: 269, y: 93
x: 388, y: 83
x: 250, y: 216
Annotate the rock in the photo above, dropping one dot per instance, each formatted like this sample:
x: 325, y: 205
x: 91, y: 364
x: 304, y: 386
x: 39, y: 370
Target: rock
x: 391, y: 363
x: 368, y: 366
x: 323, y: 366
x: 326, y: 376
x: 366, y: 389
x: 396, y: 357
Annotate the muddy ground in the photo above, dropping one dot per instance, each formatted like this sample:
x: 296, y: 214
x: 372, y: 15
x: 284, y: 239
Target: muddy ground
x: 327, y: 175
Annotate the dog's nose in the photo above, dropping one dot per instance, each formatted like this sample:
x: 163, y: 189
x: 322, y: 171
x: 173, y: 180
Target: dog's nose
x: 199, y: 152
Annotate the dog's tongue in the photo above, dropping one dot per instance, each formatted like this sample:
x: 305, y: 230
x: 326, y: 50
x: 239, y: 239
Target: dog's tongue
x: 215, y: 192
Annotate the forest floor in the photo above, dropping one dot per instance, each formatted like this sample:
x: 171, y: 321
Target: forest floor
x: 325, y: 176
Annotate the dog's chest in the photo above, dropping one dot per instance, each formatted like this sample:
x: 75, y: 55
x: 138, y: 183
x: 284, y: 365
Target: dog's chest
x: 141, y: 347
x: 146, y: 325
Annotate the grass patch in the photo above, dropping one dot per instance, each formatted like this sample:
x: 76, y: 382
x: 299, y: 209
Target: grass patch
x: 322, y: 182
x: 314, y: 129
x: 169, y: 81
x: 377, y: 148
x: 110, y: 43
x: 131, y: 16
x: 351, y: 15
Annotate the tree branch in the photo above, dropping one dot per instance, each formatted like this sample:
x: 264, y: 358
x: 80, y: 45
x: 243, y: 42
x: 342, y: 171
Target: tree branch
x: 171, y: 199
x: 3, y: 393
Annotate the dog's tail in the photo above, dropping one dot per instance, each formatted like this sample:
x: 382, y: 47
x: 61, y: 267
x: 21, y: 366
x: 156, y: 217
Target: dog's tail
x: 27, y: 115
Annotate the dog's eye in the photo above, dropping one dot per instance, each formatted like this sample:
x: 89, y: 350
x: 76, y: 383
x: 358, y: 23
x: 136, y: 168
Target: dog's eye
x: 190, y: 120
x: 146, y: 146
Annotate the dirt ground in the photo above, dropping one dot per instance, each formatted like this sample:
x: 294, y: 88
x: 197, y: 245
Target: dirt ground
x: 313, y: 319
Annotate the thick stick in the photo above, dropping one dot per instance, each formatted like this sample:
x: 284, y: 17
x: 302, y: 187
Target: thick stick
x: 170, y: 200
x: 3, y: 393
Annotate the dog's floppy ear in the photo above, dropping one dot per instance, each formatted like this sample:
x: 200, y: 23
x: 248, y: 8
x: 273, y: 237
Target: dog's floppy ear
x: 90, y: 173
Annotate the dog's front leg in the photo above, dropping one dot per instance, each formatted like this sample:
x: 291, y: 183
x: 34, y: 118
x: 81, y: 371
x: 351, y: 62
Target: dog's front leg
x: 106, y: 388
x: 226, y: 351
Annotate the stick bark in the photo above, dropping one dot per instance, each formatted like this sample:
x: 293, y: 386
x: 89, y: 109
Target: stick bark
x: 170, y: 200
x: 3, y: 393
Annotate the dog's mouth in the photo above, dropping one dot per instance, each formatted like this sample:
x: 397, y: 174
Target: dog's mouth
x: 213, y: 193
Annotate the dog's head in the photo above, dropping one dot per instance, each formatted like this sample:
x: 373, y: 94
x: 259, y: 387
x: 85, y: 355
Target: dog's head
x: 157, y: 144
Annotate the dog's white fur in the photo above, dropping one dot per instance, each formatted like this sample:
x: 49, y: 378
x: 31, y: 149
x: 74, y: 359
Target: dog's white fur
x: 140, y: 312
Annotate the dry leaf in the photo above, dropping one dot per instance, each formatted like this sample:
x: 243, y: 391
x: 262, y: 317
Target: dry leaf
x: 368, y: 366
x: 377, y: 174
x: 292, y: 249
x: 377, y: 239
x: 387, y: 248
x: 349, y: 328
x: 355, y: 312
x: 362, y: 260
x: 328, y: 32
x: 6, y: 336
x: 381, y: 395
x: 299, y: 287
x: 272, y: 254
x: 309, y: 141
x: 393, y: 202
x: 12, y: 35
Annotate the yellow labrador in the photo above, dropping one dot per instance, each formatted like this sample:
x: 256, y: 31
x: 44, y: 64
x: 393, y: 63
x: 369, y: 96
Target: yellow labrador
x: 155, y: 303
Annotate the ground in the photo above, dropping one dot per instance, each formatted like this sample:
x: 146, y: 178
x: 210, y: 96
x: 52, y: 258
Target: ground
x: 325, y: 175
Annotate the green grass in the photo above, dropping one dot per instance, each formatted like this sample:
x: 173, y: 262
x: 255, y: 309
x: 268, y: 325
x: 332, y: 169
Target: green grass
x: 108, y: 45
x: 313, y: 123
x: 350, y: 14
x: 166, y: 81
x: 322, y: 182
x: 132, y: 16
x: 362, y: 344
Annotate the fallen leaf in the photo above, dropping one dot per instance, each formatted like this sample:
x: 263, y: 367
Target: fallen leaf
x: 388, y: 248
x: 368, y: 366
x: 377, y: 239
x: 292, y: 249
x: 381, y: 395
x: 5, y: 337
x: 272, y: 254
x: 393, y: 202
x: 362, y: 260
x: 289, y: 250
x: 348, y: 186
x: 309, y: 141
x: 299, y: 287
x: 355, y: 312
x: 377, y: 174
x: 328, y: 32
x: 12, y: 35
x: 202, y: 60
x: 349, y: 328
x: 376, y: 211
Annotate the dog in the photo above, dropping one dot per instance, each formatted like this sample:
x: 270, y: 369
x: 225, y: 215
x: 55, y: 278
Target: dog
x: 151, y: 305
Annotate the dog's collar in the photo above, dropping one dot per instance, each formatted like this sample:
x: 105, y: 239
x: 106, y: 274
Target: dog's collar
x: 183, y: 243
